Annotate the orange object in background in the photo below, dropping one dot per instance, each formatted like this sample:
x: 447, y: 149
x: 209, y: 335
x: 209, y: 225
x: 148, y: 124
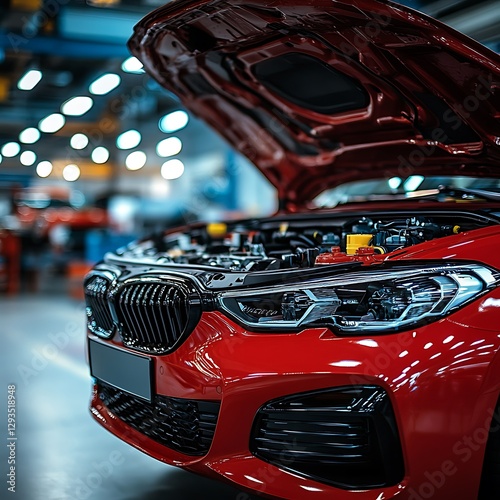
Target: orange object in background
x: 40, y: 210
x: 76, y: 271
x: 10, y: 262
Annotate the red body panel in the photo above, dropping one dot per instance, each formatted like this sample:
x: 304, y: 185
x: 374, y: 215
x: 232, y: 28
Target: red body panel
x: 443, y: 380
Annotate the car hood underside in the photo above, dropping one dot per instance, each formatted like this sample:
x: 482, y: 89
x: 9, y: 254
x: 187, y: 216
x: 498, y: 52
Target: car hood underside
x: 321, y: 94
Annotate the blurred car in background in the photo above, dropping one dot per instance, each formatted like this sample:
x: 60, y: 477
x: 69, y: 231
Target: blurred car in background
x: 54, y: 213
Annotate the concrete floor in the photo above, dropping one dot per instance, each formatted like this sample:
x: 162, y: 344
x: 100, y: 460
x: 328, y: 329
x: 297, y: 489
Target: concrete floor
x: 61, y: 453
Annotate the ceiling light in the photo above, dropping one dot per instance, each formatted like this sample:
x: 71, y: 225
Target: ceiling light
x: 79, y: 141
x: 71, y: 172
x: 174, y: 121
x: 29, y: 80
x: 128, y: 140
x: 52, y: 123
x: 44, y: 169
x: 132, y: 65
x: 100, y: 155
x: 136, y: 160
x: 394, y: 182
x: 77, y: 106
x: 104, y: 84
x: 27, y: 158
x: 11, y: 149
x: 413, y: 182
x: 29, y: 135
x: 169, y: 147
x: 172, y: 169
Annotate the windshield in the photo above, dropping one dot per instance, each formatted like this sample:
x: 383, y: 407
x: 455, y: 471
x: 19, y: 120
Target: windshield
x: 413, y: 186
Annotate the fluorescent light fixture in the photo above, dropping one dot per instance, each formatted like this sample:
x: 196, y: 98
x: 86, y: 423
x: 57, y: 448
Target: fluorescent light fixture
x: 100, y: 155
x: 174, y: 121
x: 27, y: 158
x: 79, y: 141
x: 128, y: 140
x: 394, y: 182
x: 172, y: 169
x: 44, y: 169
x: 413, y: 182
x: 136, y: 160
x: 105, y: 84
x: 169, y: 147
x: 132, y: 65
x: 71, y: 172
x: 29, y: 135
x: 29, y: 80
x: 77, y: 106
x: 52, y: 123
x: 11, y: 149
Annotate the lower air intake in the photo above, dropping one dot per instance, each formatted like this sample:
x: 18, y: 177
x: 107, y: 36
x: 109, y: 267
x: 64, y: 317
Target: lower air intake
x: 346, y: 437
x: 184, y: 425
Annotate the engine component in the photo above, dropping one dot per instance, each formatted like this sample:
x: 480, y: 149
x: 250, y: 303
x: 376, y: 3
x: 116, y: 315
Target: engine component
x: 355, y: 241
x: 265, y: 246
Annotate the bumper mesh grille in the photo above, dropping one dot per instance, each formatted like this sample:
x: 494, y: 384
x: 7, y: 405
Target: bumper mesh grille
x: 346, y: 437
x: 99, y: 316
x: 154, y: 316
x: 184, y: 425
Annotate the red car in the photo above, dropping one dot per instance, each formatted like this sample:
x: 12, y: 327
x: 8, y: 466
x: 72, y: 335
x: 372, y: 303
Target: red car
x: 41, y: 211
x: 346, y: 352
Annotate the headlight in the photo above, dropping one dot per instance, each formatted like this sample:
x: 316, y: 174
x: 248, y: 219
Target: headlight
x: 372, y: 300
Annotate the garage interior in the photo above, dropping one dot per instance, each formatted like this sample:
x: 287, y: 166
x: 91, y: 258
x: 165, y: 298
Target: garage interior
x: 95, y: 154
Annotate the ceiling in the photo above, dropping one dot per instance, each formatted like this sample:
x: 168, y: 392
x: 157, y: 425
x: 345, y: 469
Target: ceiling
x: 73, y: 42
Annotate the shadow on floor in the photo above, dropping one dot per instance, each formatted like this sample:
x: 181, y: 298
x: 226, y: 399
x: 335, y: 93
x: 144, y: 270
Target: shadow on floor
x: 177, y: 484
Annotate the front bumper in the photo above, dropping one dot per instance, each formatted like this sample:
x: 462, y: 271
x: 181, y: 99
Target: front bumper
x: 437, y: 378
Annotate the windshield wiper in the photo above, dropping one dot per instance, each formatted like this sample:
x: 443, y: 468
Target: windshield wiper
x: 441, y: 193
x: 454, y: 192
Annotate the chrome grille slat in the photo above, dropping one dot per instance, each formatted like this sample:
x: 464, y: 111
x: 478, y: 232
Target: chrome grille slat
x: 154, y: 307
x: 140, y: 327
x: 128, y: 318
x: 152, y: 330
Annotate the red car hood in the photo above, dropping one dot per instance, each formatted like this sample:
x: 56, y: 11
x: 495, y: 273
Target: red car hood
x: 318, y: 94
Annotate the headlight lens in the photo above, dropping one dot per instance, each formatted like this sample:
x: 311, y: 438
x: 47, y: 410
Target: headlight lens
x: 371, y: 300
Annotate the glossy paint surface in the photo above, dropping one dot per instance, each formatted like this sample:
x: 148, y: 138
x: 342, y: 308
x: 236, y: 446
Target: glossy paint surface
x: 443, y: 380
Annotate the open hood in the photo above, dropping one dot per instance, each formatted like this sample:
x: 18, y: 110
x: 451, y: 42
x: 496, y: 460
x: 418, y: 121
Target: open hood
x: 318, y: 94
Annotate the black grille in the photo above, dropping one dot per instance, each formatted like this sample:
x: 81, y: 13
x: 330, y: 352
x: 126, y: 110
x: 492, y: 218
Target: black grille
x: 155, y: 316
x: 99, y: 316
x: 184, y: 425
x: 345, y: 436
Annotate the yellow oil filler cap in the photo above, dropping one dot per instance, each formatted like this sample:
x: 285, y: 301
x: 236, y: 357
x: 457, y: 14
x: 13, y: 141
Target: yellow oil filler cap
x: 355, y: 241
x: 217, y: 229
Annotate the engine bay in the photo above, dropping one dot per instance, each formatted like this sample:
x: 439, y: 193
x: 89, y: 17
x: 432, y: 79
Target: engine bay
x: 295, y: 242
